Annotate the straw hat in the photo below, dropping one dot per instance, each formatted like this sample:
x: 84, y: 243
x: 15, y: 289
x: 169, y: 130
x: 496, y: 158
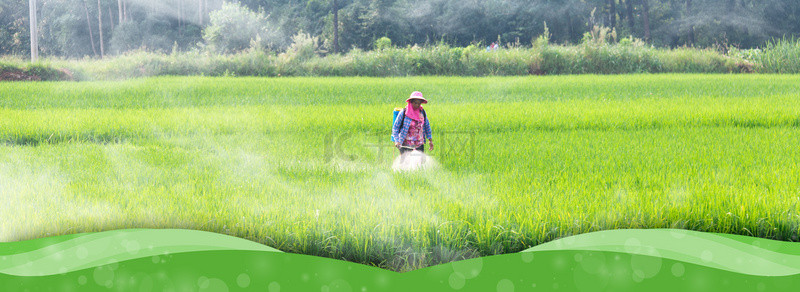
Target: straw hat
x: 417, y: 95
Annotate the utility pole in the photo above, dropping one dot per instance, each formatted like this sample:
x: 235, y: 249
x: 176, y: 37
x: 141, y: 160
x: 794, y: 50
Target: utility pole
x: 200, y: 12
x: 34, y: 32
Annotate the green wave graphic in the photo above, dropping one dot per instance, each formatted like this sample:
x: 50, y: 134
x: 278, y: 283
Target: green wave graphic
x: 10, y: 248
x: 187, y: 260
x: 777, y: 246
x: 94, y: 249
x: 704, y: 249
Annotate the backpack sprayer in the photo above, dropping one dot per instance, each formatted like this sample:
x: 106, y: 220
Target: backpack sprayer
x: 394, y: 119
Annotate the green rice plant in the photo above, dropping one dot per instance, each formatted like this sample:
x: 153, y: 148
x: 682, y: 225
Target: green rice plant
x: 304, y: 164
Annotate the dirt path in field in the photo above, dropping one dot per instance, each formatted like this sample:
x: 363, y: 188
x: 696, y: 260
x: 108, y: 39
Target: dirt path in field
x: 16, y: 75
x: 20, y: 75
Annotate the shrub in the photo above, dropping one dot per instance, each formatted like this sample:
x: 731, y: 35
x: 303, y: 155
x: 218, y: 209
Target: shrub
x: 233, y: 27
x: 304, y: 47
x: 543, y: 40
x: 383, y: 43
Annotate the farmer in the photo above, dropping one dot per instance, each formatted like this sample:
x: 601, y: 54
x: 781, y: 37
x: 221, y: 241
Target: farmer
x: 412, y: 128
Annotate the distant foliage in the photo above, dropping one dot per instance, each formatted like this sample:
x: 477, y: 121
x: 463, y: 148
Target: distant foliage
x: 234, y: 28
x: 303, y: 46
x: 59, y: 38
x: 71, y: 28
x: 127, y: 36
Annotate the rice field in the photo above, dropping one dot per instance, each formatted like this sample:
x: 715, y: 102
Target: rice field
x: 304, y: 164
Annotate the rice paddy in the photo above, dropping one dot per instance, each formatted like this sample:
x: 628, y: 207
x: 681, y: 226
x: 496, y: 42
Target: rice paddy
x: 305, y: 164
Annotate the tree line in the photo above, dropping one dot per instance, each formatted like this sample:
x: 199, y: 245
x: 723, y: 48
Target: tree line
x: 98, y: 28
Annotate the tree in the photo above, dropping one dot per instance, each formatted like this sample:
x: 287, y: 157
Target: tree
x: 63, y: 27
x: 89, y: 26
x: 612, y: 14
x: 691, y: 27
x: 335, y: 28
x: 629, y: 13
x: 646, y: 19
x: 100, y: 28
x: 234, y: 27
x: 14, y: 29
x: 125, y: 37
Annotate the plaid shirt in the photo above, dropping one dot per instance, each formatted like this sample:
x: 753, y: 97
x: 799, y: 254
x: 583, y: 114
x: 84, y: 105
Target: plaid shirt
x: 399, y: 132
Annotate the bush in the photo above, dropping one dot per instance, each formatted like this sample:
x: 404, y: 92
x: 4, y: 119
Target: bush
x: 543, y: 40
x: 130, y: 35
x: 233, y: 28
x: 304, y: 47
x: 383, y: 43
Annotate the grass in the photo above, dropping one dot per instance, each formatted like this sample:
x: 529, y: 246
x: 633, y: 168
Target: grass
x: 780, y: 56
x: 592, y: 57
x: 301, y: 164
x: 438, y: 60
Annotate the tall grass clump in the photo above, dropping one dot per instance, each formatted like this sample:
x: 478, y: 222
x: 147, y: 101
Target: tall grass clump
x: 10, y: 62
x: 619, y: 59
x: 434, y: 60
x: 391, y: 61
x: 506, y: 62
x: 688, y: 60
x: 780, y: 56
x: 304, y: 47
x: 557, y: 60
x: 192, y: 63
